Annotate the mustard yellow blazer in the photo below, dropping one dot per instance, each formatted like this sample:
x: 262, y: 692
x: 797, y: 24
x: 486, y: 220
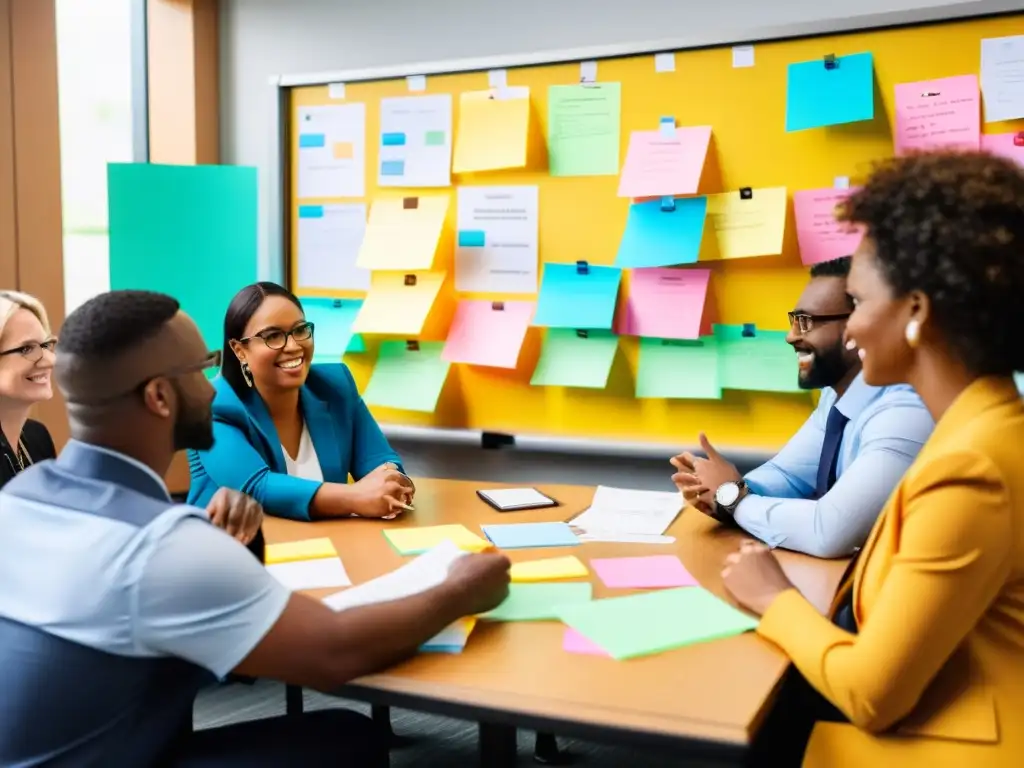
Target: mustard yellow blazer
x: 935, y: 676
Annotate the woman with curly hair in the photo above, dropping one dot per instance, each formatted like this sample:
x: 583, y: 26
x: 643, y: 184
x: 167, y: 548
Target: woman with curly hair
x: 921, y: 661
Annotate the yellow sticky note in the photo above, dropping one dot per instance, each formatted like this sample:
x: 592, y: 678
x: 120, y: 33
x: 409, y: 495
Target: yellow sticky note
x: 748, y: 227
x: 549, y: 569
x: 343, y: 150
x: 493, y: 130
x: 307, y: 549
x: 403, y: 233
x: 398, y: 303
x: 415, y: 541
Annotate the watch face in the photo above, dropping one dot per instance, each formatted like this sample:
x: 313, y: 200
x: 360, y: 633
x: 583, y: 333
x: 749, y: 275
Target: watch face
x: 727, y: 494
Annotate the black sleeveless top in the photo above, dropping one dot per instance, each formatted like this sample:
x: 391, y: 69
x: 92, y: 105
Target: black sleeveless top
x: 38, y: 445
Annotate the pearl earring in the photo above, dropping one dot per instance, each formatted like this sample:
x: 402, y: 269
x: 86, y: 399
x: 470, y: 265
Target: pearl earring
x: 912, y: 333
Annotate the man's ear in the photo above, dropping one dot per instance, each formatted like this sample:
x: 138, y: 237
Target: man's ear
x: 159, y: 397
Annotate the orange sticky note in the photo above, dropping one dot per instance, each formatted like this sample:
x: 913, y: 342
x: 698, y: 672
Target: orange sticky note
x: 343, y: 150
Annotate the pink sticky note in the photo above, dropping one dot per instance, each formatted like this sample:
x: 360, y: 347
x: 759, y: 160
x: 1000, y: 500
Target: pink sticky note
x: 658, y: 165
x: 820, y: 236
x: 650, y: 572
x: 938, y: 114
x: 665, y: 303
x: 488, y: 333
x: 1002, y: 144
x: 574, y: 642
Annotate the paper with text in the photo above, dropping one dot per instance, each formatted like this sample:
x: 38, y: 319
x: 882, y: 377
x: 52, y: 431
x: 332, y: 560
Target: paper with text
x: 332, y: 321
x: 568, y: 359
x: 820, y: 236
x: 762, y: 362
x: 678, y: 369
x: 408, y: 379
x: 658, y: 164
x: 330, y: 237
x: 398, y: 303
x: 321, y: 573
x: 819, y: 95
x: 494, y: 130
x: 938, y: 114
x: 583, y: 129
x: 403, y: 233
x: 622, y: 510
x: 1008, y: 145
x: 496, y: 245
x: 1002, y: 77
x: 662, y: 233
x: 665, y: 303
x: 574, y: 296
x: 751, y: 227
x: 415, y: 142
x: 488, y: 333
x: 332, y: 151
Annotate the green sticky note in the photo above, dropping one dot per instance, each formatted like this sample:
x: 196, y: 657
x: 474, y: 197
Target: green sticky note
x: 410, y: 379
x: 356, y: 345
x: 763, y: 362
x: 188, y: 231
x: 653, y: 622
x: 538, y: 602
x: 679, y: 368
x: 435, y: 138
x: 583, y: 129
x: 575, y: 358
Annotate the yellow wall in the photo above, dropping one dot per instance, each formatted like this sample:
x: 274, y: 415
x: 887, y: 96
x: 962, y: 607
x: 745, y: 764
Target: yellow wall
x: 582, y: 218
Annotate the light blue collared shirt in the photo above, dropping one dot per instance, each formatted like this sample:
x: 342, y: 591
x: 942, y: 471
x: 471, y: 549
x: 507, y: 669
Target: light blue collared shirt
x: 886, y: 429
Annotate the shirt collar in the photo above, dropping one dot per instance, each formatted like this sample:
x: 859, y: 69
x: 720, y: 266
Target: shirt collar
x: 856, y: 397
x: 115, y: 467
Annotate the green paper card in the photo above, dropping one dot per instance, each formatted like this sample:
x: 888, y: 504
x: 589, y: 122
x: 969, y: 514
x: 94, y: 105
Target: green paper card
x: 763, y: 362
x: 538, y: 602
x: 654, y: 622
x: 570, y: 359
x: 583, y: 129
x: 679, y: 368
x: 410, y: 379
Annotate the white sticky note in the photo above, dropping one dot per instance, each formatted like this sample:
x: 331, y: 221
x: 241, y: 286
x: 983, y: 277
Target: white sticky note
x: 588, y: 71
x: 664, y: 62
x: 497, y: 78
x: 742, y: 56
x: 416, y: 83
x: 336, y: 90
x: 841, y: 182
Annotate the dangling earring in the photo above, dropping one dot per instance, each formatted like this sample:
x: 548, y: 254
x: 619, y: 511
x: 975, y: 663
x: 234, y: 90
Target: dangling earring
x: 246, y: 374
x: 912, y: 333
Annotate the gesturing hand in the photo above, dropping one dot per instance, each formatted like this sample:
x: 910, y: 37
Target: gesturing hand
x: 698, y: 478
x: 240, y: 515
x: 480, y: 581
x: 754, y: 577
x: 382, y: 493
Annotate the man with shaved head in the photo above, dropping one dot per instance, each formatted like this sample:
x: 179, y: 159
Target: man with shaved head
x: 117, y: 604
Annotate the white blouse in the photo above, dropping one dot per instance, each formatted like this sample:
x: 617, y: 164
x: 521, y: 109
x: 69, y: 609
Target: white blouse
x: 306, y: 465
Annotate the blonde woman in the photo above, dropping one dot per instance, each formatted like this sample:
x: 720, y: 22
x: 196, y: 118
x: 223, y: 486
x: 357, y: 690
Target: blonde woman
x: 26, y: 361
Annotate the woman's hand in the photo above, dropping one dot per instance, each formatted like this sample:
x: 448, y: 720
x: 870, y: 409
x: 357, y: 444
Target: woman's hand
x: 754, y: 577
x: 384, y: 493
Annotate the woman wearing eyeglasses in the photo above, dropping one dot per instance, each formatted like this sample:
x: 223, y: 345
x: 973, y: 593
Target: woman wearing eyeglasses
x: 290, y: 435
x: 26, y: 360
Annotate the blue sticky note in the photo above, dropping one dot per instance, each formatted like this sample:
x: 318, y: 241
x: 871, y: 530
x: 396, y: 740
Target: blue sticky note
x: 1019, y: 378
x: 311, y: 211
x: 524, y: 535
x: 656, y: 237
x: 392, y: 168
x: 393, y: 139
x: 571, y: 299
x: 332, y: 327
x: 817, y: 95
x: 471, y: 238
x: 312, y: 140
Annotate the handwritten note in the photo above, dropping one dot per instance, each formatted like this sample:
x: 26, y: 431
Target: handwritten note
x: 938, y: 114
x: 577, y: 296
x: 1008, y: 145
x: 407, y: 378
x: 748, y: 226
x: 493, y: 130
x: 403, y: 233
x: 488, y: 332
x: 663, y: 232
x: 575, y: 359
x: 660, y: 163
x: 1002, y: 77
x: 583, y: 129
x: 679, y: 369
x: 665, y: 303
x: 398, y: 304
x: 820, y: 93
x: 820, y: 236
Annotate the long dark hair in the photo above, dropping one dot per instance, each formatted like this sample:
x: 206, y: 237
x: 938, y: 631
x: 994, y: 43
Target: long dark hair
x: 240, y: 311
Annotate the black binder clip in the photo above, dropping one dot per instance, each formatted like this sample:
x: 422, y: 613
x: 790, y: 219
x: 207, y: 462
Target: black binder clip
x: 410, y: 279
x: 749, y: 331
x: 582, y: 268
x: 668, y: 204
x: 498, y: 306
x: 582, y: 333
x: 831, y: 62
x: 746, y: 193
x: 410, y: 203
x: 412, y: 345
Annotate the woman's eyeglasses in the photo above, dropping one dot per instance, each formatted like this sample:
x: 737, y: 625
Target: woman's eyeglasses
x: 275, y: 338
x: 33, y: 350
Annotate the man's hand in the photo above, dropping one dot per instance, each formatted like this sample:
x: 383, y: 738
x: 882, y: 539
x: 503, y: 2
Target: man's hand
x: 240, y: 515
x: 480, y: 581
x: 383, y: 493
x: 712, y: 472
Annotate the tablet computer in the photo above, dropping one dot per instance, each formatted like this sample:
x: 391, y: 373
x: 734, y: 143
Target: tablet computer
x: 516, y: 499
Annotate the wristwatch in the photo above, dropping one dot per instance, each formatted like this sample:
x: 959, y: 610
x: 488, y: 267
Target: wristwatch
x: 728, y: 497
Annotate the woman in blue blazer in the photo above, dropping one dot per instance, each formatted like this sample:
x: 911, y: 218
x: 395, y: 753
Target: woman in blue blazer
x: 287, y: 434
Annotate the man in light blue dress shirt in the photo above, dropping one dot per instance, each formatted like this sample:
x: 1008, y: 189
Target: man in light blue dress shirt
x: 821, y: 493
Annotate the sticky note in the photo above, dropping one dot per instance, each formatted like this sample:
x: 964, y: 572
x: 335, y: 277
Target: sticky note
x: 659, y: 164
x: 588, y: 71
x: 762, y: 363
x: 343, y: 150
x: 409, y: 379
x: 392, y: 168
x: 1002, y: 77
x: 332, y: 326
x: 652, y: 572
x: 397, y: 307
x: 525, y: 535
x: 435, y: 138
x: 293, y: 551
x: 577, y: 297
x: 392, y: 139
x: 451, y: 639
x: 416, y: 83
x: 402, y: 237
x: 336, y: 90
x: 748, y: 227
x: 312, y: 140
x: 665, y: 303
x: 583, y: 129
x: 311, y: 211
x: 938, y: 114
x: 493, y: 132
x: 1005, y: 145
x: 416, y: 541
x: 820, y: 236
x: 640, y: 625
x: 538, y: 602
x: 549, y: 569
x: 472, y: 238
x: 568, y: 359
x: 655, y: 237
x: 679, y: 369
x: 574, y: 642
x: 817, y: 96
x: 488, y: 333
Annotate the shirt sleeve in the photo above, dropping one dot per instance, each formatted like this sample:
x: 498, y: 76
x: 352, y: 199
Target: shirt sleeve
x: 202, y: 597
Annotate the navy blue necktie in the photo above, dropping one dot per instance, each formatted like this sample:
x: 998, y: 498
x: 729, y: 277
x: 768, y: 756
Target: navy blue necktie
x: 830, y: 451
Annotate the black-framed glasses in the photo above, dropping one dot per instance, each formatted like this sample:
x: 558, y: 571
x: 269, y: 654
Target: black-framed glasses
x: 212, y: 360
x: 33, y: 350
x: 805, y: 323
x: 275, y: 338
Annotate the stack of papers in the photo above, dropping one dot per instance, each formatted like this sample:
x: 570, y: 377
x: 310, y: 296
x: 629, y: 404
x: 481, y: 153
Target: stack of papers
x: 623, y: 515
x: 416, y: 541
x: 307, y: 564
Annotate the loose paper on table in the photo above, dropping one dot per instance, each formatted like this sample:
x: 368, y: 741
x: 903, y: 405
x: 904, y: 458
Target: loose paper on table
x: 666, y: 303
x: 818, y: 94
x: 651, y: 572
x: 488, y: 333
x: 494, y: 129
x: 748, y: 227
x: 569, y: 359
x: 679, y: 369
x: 451, y: 639
x: 526, y: 535
x: 662, y: 233
x: 538, y: 602
x: 622, y: 510
x: 321, y: 573
x: 330, y: 237
x: 307, y: 549
x: 332, y: 151
x: 660, y: 163
x: 496, y: 247
x: 1002, y: 77
x: 415, y: 541
x: 332, y: 327
x: 398, y: 304
x: 415, y: 141
x: 403, y: 233
x: 583, y: 129
x: 577, y: 297
x: 763, y: 362
x: 938, y: 114
x: 549, y: 569
x: 408, y: 379
x: 820, y: 236
x: 1005, y: 145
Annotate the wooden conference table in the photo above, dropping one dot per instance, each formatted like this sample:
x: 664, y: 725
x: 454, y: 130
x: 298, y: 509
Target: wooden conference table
x: 705, y: 700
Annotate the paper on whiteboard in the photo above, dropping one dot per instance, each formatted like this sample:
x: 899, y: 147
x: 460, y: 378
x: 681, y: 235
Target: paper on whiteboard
x: 496, y: 248
x: 416, y: 141
x: 332, y: 151
x: 329, y: 240
x: 1002, y: 77
x: 625, y: 511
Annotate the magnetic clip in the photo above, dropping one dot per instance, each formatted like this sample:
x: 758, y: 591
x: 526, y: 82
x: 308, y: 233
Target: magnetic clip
x: 667, y: 127
x: 831, y: 62
x: 668, y: 204
x: 749, y: 331
x: 336, y: 303
x: 412, y: 345
x: 746, y: 193
x: 582, y: 268
x: 410, y: 203
x: 581, y: 333
x: 410, y: 279
x: 498, y: 306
